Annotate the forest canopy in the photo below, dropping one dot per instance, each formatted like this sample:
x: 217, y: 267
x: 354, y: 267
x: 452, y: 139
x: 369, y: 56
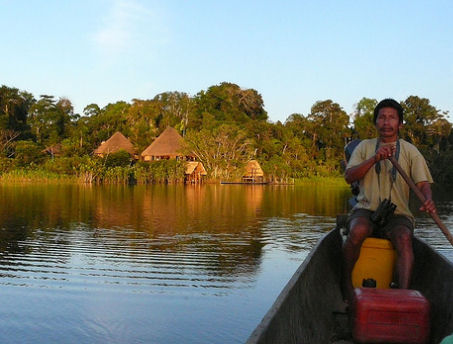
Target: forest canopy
x: 224, y: 126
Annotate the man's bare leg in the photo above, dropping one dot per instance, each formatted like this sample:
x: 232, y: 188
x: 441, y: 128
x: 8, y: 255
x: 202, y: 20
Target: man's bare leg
x: 360, y: 229
x: 401, y: 237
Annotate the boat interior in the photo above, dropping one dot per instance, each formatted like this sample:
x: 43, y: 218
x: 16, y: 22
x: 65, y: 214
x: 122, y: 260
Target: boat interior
x: 310, y: 309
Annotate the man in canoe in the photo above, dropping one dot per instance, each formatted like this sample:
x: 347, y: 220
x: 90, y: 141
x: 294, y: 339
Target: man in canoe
x: 381, y: 189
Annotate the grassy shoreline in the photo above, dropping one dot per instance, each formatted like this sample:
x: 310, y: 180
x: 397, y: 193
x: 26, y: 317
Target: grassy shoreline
x: 332, y: 180
x: 35, y: 176
x: 41, y: 176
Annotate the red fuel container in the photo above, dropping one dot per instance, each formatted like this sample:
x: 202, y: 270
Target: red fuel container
x: 390, y: 316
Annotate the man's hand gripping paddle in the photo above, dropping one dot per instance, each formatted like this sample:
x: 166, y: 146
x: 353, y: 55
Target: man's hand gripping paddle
x: 421, y: 197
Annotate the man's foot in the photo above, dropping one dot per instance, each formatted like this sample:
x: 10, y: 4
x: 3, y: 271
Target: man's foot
x: 348, y: 293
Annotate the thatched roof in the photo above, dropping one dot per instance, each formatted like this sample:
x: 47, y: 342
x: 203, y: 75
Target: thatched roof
x: 195, y: 166
x: 253, y: 169
x: 54, y: 150
x: 169, y: 143
x: 114, y: 144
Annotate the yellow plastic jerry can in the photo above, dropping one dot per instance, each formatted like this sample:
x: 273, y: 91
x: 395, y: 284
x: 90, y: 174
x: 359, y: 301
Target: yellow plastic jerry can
x: 376, y: 263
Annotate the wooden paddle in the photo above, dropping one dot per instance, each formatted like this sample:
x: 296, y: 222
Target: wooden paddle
x: 421, y: 197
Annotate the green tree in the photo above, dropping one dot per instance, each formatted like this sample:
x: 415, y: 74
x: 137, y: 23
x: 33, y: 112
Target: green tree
x: 303, y: 128
x: 28, y: 153
x: 14, y: 107
x: 51, y: 120
x: 91, y: 110
x: 142, y: 118
x: 227, y: 102
x: 263, y: 135
x: 222, y: 151
x: 99, y: 124
x: 328, y: 127
x: 440, y: 131
x: 7, y: 138
x: 276, y: 169
x: 120, y: 158
x: 177, y: 108
x: 424, y: 125
x: 364, y: 127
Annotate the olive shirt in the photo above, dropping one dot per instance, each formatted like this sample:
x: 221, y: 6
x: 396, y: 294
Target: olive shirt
x: 375, y: 188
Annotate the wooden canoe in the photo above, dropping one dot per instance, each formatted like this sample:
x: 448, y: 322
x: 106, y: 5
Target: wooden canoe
x: 310, y: 309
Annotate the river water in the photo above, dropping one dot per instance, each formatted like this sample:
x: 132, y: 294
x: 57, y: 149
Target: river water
x: 158, y: 264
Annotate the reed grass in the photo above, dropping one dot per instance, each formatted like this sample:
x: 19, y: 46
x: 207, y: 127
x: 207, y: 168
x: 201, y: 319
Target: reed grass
x: 34, y: 176
x: 141, y: 176
x: 334, y: 181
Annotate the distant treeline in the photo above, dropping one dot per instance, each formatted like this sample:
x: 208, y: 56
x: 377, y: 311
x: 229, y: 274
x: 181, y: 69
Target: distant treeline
x: 224, y: 126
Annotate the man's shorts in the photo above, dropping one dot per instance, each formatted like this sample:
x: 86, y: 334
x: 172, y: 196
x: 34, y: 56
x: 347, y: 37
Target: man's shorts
x: 393, y: 221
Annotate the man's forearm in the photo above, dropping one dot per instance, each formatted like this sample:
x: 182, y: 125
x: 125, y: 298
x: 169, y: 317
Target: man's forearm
x: 355, y: 173
x: 425, y: 188
x: 428, y: 205
x: 358, y: 172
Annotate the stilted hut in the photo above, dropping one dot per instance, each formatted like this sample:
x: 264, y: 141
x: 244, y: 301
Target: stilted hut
x: 253, y: 173
x: 53, y: 151
x: 114, y: 144
x: 194, y: 172
x: 167, y: 145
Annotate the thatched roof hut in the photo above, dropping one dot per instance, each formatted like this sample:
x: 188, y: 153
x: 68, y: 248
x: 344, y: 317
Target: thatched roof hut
x: 253, y: 172
x: 114, y: 144
x: 54, y: 151
x: 194, y: 172
x: 168, y: 145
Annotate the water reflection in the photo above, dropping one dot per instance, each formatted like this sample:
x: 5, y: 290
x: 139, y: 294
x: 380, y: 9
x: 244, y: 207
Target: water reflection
x: 210, y: 229
x: 195, y: 251
x: 206, y: 236
x: 162, y: 209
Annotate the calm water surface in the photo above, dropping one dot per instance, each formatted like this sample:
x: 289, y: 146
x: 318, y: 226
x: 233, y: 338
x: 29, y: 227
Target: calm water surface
x: 158, y: 264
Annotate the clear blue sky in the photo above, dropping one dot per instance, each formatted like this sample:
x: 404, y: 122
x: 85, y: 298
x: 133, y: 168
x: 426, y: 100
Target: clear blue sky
x: 293, y: 53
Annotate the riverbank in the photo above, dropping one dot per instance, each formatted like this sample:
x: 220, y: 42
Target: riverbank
x: 36, y: 176
x: 43, y: 176
x: 333, y: 181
